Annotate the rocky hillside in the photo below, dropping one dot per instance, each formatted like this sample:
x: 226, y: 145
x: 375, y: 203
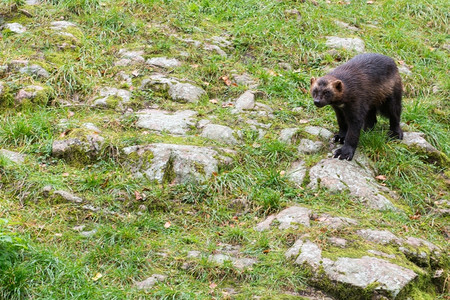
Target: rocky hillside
x: 169, y: 149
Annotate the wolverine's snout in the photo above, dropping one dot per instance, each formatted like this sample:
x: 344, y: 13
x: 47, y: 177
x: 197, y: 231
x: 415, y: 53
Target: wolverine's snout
x: 318, y: 103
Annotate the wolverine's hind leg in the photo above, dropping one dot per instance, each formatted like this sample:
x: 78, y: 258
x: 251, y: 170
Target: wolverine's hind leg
x: 392, y: 109
x: 371, y: 119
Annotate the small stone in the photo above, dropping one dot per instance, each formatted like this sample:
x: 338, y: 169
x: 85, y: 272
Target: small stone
x: 416, y: 139
x: 221, y: 41
x: 219, y: 133
x: 113, y: 97
x: 35, y: 70
x: 309, y: 147
x: 88, y: 233
x: 346, y: 26
x: 68, y: 196
x: 215, y: 48
x: 338, y: 242
x: 335, y: 222
x: 319, y: 132
x: 15, y: 157
x: 32, y: 2
x: 193, y: 254
x: 61, y: 25
x: 91, y: 127
x: 297, y: 173
x: 285, y: 66
x: 164, y: 62
x: 150, y: 282
x: 355, y: 44
x: 404, y: 70
x: 245, y: 79
x: 246, y: 101
x: 46, y: 190
x: 382, y: 237
x: 287, y: 218
x: 15, y: 27
x: 135, y: 56
x: 157, y: 82
x: 379, y: 253
x: 160, y: 120
x: 293, y: 12
x: 186, y: 92
x: 287, y: 135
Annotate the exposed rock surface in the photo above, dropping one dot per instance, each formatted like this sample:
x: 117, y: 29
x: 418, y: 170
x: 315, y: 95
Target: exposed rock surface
x: 150, y: 282
x: 417, y: 139
x: 15, y: 157
x: 287, y: 218
x: 355, y: 44
x: 338, y: 175
x: 164, y: 62
x: 309, y: 147
x: 158, y: 82
x: 245, y: 79
x: 219, y: 133
x: 319, y: 132
x: 246, y: 101
x: 185, y: 92
x: 35, y: 70
x: 78, y: 149
x: 113, y: 98
x: 378, y: 236
x: 15, y: 27
x: 160, y: 120
x: 174, y: 163
x: 287, y: 134
x: 67, y: 196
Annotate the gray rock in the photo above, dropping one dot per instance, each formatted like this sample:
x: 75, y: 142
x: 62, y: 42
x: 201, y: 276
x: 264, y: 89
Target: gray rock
x: 215, y: 48
x: 68, y: 196
x: 219, y: 133
x: 15, y: 157
x: 245, y: 79
x: 158, y: 82
x: 346, y: 26
x: 309, y: 147
x: 221, y: 41
x: 293, y: 252
x: 418, y: 242
x: 174, y: 163
x: 193, y: 254
x: 382, y: 237
x: 15, y: 27
x: 88, y: 146
x: 160, y: 120
x: 338, y: 175
x: 297, y: 172
x: 335, y: 222
x: 164, y: 62
x: 61, y: 25
x: 35, y: 70
x: 338, y: 242
x: 202, y: 123
x: 150, y: 282
x: 319, y: 132
x: 28, y: 93
x: 16, y: 64
x: 355, y: 44
x: 186, y: 92
x: 88, y: 233
x: 287, y: 218
x: 91, y: 127
x: 404, y: 70
x: 264, y: 107
x: 113, y: 97
x: 239, y: 263
x: 32, y: 2
x: 285, y: 66
x: 416, y: 139
x: 355, y: 273
x: 246, y: 101
x: 287, y: 135
x: 134, y: 56
x: 293, y: 12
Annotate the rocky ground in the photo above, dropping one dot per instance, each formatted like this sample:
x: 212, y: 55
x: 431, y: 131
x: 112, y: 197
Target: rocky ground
x: 140, y: 139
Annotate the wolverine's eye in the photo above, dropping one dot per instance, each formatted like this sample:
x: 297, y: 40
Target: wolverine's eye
x: 326, y: 93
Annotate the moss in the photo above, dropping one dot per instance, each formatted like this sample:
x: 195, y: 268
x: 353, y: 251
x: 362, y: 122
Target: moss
x: 6, y: 96
x: 113, y: 101
x: 39, y: 98
x: 199, y: 168
x: 169, y: 172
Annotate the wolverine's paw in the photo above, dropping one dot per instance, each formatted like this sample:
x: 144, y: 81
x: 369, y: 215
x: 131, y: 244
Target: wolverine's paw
x: 339, y: 138
x: 398, y: 134
x: 345, y: 152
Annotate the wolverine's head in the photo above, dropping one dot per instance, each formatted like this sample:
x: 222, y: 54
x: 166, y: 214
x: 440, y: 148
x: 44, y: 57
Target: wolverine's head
x: 326, y: 90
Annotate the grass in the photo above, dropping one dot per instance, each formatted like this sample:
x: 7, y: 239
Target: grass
x: 143, y: 228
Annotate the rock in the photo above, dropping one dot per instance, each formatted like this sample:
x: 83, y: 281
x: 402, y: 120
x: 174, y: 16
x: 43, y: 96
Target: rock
x: 356, y: 176
x: 15, y: 27
x: 174, y: 163
x: 355, y: 44
x: 264, y: 107
x: 157, y: 82
x: 293, y: 13
x: 221, y: 41
x: 293, y: 252
x: 88, y: 233
x: 346, y: 25
x: 16, y: 64
x: 160, y: 120
x: 245, y: 79
x: 134, y: 56
x: 15, y: 157
x: 193, y: 254
x: 113, y: 98
x: 338, y: 242
x: 186, y: 92
x: 351, y: 276
x: 287, y: 135
x: 91, y: 127
x: 150, y: 282
x: 418, y: 242
x: 61, y: 25
x: 416, y: 139
x: 285, y: 66
x: 215, y: 48
x: 80, y: 149
x: 335, y: 222
x: 382, y: 237
x: 379, y: 253
x: 32, y: 2
x: 246, y: 101
x: 319, y: 132
x: 219, y: 133
x: 202, y: 123
x: 309, y: 147
x: 67, y: 196
x: 32, y: 95
x: 35, y: 70
x: 404, y: 70
x: 239, y: 263
x: 164, y: 62
x: 297, y: 173
x: 287, y: 218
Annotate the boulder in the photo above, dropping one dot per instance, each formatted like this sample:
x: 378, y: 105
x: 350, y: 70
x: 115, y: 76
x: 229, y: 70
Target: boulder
x: 163, y: 121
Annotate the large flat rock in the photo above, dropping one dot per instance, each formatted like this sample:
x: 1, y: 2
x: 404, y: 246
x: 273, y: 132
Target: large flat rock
x: 287, y: 218
x: 174, y: 163
x: 160, y: 120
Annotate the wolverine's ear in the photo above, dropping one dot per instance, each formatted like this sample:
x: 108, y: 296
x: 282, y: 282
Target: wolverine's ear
x: 313, y: 79
x: 337, y: 85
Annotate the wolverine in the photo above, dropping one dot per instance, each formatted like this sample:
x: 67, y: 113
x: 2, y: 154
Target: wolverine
x: 357, y: 90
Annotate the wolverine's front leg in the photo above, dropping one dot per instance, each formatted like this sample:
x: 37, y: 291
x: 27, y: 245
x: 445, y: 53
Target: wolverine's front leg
x: 351, y: 140
x: 340, y: 136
